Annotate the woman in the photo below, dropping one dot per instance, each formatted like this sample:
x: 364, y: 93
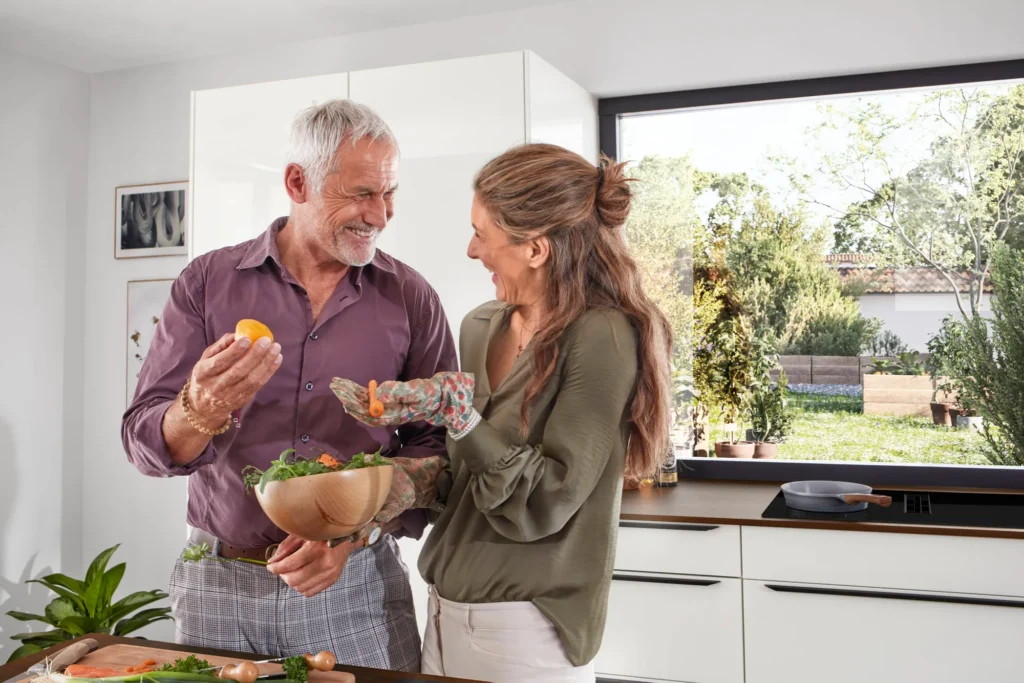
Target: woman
x: 564, y: 390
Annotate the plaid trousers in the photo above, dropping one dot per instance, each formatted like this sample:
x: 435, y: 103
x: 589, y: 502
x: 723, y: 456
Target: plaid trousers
x: 366, y: 619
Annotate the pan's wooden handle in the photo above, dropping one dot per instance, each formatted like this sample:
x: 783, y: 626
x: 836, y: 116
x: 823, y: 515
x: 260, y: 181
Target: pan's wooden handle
x: 884, y: 501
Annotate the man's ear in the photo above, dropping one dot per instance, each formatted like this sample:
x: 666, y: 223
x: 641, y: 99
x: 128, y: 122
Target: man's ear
x: 295, y: 184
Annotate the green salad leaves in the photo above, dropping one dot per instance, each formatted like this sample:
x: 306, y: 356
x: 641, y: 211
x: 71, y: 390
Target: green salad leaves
x: 289, y: 465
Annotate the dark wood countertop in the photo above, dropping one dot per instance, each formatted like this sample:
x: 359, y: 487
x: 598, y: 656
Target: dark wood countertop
x: 362, y: 675
x: 741, y: 503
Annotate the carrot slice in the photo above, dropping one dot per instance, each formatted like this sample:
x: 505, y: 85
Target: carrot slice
x: 376, y: 407
x: 149, y: 662
x: 327, y: 460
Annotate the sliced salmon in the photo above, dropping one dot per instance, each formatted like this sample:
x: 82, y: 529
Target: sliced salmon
x: 86, y: 671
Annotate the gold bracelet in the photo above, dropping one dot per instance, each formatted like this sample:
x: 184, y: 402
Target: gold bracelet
x: 187, y: 409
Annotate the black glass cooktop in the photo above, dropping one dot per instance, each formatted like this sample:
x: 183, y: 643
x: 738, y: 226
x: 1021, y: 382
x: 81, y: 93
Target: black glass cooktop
x: 993, y: 510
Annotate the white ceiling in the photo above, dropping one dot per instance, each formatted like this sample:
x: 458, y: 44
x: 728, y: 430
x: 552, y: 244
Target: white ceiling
x: 102, y: 35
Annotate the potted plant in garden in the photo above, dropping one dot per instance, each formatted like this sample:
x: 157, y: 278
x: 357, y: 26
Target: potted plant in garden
x: 941, y: 383
x: 770, y: 419
x: 731, y: 370
x: 965, y: 416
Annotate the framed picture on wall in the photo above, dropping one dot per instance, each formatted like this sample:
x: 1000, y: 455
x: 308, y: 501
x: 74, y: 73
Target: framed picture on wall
x: 150, y: 220
x: 146, y: 299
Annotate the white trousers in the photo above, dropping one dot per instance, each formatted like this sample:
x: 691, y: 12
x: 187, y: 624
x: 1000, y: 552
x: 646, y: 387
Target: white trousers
x: 500, y: 642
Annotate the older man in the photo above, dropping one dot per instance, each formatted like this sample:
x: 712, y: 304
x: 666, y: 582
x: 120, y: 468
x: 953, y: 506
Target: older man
x: 206, y: 405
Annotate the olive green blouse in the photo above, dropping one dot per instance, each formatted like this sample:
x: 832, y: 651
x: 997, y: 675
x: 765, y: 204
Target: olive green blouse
x: 535, y: 518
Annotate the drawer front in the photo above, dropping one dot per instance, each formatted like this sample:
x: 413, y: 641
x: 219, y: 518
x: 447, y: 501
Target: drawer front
x: 673, y: 628
x: 953, y: 564
x: 809, y: 634
x: 678, y: 548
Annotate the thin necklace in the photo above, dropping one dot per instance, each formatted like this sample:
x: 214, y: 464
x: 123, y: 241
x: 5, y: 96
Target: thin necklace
x: 521, y: 345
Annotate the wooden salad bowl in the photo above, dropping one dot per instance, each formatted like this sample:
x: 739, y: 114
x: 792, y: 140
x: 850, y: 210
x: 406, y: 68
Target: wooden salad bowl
x: 321, y: 507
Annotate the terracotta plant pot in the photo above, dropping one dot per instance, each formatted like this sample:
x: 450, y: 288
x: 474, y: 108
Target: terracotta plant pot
x: 320, y: 507
x: 740, y: 449
x: 941, y: 414
x: 764, y: 451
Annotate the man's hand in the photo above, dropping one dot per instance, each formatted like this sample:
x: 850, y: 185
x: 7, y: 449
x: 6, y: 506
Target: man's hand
x: 229, y: 374
x: 227, y: 377
x: 310, y: 567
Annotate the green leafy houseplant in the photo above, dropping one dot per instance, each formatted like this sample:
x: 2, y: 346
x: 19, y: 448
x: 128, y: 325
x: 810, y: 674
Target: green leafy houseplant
x: 87, y: 607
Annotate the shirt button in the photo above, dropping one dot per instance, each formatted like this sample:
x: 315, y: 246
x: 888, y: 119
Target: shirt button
x: 305, y: 438
x: 309, y: 386
x: 312, y: 335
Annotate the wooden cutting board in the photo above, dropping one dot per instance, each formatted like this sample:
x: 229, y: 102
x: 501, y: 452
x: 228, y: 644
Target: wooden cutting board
x: 122, y: 656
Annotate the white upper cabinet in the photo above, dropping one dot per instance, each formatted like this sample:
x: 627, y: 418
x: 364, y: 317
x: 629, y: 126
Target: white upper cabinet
x: 239, y: 139
x: 450, y: 118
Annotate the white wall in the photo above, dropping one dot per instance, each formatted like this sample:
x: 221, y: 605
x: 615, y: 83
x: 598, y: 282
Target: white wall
x: 44, y: 118
x: 140, y: 129
x: 915, y: 317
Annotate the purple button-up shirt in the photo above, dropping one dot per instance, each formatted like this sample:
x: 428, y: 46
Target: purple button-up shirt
x: 384, y: 322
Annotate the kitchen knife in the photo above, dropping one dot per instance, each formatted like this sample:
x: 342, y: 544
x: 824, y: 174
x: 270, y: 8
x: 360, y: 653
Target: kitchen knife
x: 59, y: 661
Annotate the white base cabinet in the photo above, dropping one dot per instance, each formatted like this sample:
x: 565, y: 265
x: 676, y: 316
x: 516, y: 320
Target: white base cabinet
x: 799, y: 633
x: 703, y: 604
x: 673, y: 628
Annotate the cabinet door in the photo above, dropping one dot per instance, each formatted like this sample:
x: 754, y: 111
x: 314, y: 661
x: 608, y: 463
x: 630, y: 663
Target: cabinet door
x: 673, y: 628
x: 669, y: 548
x: 239, y: 140
x: 801, y: 633
x: 450, y: 118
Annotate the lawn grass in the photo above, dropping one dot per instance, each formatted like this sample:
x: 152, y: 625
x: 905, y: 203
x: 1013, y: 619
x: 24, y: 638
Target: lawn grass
x: 833, y: 428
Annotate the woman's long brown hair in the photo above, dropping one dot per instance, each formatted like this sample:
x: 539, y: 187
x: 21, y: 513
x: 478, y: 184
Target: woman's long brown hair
x: 540, y: 190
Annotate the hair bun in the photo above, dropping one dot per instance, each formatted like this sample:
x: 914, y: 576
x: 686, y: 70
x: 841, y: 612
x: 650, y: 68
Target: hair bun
x: 613, y: 195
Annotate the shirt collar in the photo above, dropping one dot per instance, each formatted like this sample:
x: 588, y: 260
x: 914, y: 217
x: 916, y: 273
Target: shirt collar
x: 265, y: 246
x: 489, y: 312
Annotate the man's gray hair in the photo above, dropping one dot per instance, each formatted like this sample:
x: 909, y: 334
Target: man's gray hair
x: 318, y: 131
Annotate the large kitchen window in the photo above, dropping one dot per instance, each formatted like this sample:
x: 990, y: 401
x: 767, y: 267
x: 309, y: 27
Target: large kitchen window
x: 827, y: 252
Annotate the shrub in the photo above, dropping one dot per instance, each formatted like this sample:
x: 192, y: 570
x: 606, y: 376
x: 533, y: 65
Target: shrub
x: 986, y: 360
x: 887, y: 343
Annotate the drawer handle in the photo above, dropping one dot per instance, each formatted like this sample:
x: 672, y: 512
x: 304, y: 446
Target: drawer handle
x: 845, y: 592
x: 629, y: 524
x: 677, y: 581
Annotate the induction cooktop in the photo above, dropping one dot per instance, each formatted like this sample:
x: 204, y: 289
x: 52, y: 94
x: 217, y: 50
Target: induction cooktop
x: 992, y: 510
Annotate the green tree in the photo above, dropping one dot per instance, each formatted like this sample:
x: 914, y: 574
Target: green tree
x: 964, y: 195
x: 986, y: 360
x: 783, y: 286
x: 660, y: 233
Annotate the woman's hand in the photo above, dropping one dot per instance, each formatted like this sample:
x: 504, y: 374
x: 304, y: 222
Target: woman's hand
x: 412, y: 486
x: 444, y: 399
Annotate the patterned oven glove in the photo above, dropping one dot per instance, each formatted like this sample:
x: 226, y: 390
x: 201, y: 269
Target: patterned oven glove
x: 444, y: 399
x: 413, y: 485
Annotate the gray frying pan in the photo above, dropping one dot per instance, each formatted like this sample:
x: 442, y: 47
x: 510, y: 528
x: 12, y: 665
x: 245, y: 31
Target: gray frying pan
x: 830, y: 496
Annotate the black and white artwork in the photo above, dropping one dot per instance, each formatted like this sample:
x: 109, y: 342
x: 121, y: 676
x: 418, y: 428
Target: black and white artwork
x: 151, y: 220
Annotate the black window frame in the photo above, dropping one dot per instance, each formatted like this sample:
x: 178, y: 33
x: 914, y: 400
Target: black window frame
x: 612, y: 109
